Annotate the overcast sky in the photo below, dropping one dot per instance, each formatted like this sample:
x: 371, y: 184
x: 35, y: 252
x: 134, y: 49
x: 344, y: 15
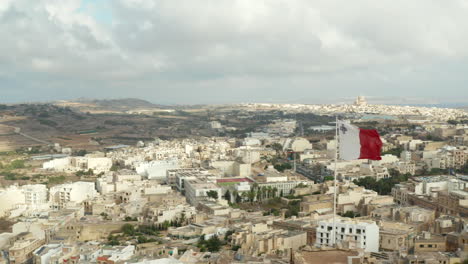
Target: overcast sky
x: 228, y: 51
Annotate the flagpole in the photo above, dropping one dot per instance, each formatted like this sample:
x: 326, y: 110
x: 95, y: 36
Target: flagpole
x: 334, y: 182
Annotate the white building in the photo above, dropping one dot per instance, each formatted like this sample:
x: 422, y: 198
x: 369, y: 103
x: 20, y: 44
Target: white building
x: 232, y: 168
x: 157, y: 169
x: 350, y: 234
x: 215, y: 125
x: 105, y: 184
x: 10, y: 198
x: 46, y: 254
x: 23, y: 199
x: 35, y: 195
x: 169, y: 213
x: 431, y: 184
x: 74, y: 164
x: 171, y: 175
x: 296, y: 144
x: 360, y: 101
x: 247, y: 154
x: 71, y: 193
x: 251, y: 142
x: 283, y: 187
x: 99, y: 164
x: 197, y: 190
x: 183, y: 176
x: 116, y: 254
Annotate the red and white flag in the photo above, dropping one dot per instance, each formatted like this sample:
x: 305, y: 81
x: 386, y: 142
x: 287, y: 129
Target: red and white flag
x: 356, y: 143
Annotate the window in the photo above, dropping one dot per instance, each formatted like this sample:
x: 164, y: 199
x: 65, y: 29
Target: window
x: 329, y: 228
x: 355, y: 238
x: 430, y: 245
x: 342, y: 230
x: 421, y: 246
x: 350, y: 230
x: 358, y: 231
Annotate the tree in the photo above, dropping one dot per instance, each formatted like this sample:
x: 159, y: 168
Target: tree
x: 128, y: 229
x: 228, y: 235
x: 112, y: 241
x: 251, y: 195
x: 394, y: 151
x: 142, y: 239
x: 227, y: 196
x: 16, y: 164
x: 274, y: 191
x: 382, y: 186
x: 277, y: 147
x: 393, y: 172
x: 259, y: 195
x: 350, y: 214
x: 328, y: 178
x: 81, y: 152
x: 213, y: 244
x: 182, y: 219
x: 238, y: 198
x: 269, y: 191
x: 212, y: 194
x: 282, y: 167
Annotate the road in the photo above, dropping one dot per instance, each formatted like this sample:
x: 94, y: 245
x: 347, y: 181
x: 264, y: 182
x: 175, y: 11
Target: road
x: 18, y: 131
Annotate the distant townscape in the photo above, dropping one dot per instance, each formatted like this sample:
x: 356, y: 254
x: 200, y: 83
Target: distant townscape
x: 127, y: 181
x: 361, y: 106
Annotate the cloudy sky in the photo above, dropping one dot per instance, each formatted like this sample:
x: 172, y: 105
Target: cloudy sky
x: 227, y: 51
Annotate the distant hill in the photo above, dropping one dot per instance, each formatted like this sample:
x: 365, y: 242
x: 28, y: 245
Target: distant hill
x: 129, y: 103
x: 464, y: 108
x: 109, y: 105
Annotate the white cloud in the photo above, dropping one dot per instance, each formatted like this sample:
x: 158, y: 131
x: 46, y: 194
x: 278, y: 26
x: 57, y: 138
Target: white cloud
x: 42, y: 64
x: 199, y: 44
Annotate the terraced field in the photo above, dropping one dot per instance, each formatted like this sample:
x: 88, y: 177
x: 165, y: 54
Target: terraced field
x: 9, y: 140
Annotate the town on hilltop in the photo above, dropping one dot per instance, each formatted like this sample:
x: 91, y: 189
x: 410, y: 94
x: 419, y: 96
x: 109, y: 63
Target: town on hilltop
x: 246, y: 183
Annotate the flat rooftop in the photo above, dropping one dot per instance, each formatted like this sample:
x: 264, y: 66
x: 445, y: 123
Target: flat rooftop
x: 327, y: 257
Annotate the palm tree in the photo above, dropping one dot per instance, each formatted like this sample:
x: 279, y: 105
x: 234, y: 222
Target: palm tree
x: 244, y: 196
x: 251, y: 195
x: 274, y: 191
x: 255, y: 185
x: 238, y: 198
x: 259, y: 194
x: 227, y: 196
x: 269, y: 190
x: 264, y: 192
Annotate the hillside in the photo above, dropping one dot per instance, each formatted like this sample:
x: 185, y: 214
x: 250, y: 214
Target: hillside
x: 27, y: 125
x: 110, y: 105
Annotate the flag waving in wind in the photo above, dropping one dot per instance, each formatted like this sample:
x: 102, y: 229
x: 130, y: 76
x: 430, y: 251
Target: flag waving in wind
x: 356, y: 143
